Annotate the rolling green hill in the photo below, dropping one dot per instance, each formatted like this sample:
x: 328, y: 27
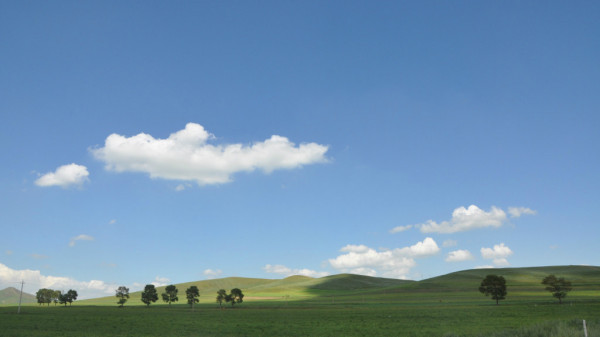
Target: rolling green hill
x: 10, y: 296
x: 458, y: 286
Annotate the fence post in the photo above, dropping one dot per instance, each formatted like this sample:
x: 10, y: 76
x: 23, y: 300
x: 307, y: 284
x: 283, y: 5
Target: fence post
x: 584, y: 329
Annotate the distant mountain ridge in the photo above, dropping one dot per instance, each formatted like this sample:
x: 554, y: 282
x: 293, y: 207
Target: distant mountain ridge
x: 10, y: 296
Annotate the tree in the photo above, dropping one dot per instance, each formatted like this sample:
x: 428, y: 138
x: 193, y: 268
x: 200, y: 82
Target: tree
x: 495, y: 286
x: 63, y: 299
x: 71, y: 296
x: 221, y: 296
x: 170, y: 294
x: 44, y: 296
x: 192, y: 293
x: 55, y: 296
x: 236, y: 296
x: 559, y: 287
x: 122, y: 293
x: 149, y: 294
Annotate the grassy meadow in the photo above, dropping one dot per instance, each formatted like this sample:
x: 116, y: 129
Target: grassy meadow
x: 340, y: 305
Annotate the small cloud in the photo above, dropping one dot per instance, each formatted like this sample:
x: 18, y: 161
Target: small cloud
x: 459, y: 256
x: 160, y: 281
x: 8, y: 252
x: 516, y: 212
x: 484, y: 267
x: 83, y: 237
x: 112, y: 222
x: 179, y: 188
x: 210, y: 274
x: 64, y: 176
x: 38, y: 256
x: 399, y: 229
x: 498, y: 254
x: 449, y: 243
x: 465, y: 219
x: 285, y: 271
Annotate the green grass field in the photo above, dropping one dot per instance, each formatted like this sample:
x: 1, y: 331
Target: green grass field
x: 340, y: 305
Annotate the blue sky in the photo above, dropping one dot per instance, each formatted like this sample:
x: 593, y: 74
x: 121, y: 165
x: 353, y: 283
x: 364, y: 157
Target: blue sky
x: 164, y: 142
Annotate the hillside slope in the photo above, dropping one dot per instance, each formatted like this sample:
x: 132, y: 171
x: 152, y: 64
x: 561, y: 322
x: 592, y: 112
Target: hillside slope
x: 10, y: 296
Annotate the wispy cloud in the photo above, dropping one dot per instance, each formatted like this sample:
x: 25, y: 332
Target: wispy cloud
x: 187, y: 155
x: 80, y: 237
x: 399, y: 229
x: 64, y: 176
x: 160, y: 281
x: 516, y: 212
x: 285, y: 271
x: 38, y: 256
x: 210, y: 273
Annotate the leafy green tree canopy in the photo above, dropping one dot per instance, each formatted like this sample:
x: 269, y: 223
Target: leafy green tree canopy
x: 71, y: 296
x: 44, y: 296
x: 192, y: 293
x: 221, y: 296
x: 170, y: 294
x: 149, y: 295
x: 122, y: 293
x: 236, y: 296
x: 495, y: 286
x: 559, y: 287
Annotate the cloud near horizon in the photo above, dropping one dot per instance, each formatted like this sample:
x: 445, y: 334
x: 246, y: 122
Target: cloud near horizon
x: 395, y: 263
x: 459, y: 256
x: 498, y: 254
x: 65, y: 176
x: 186, y: 155
x: 285, y: 271
x: 473, y: 217
x: 34, y: 280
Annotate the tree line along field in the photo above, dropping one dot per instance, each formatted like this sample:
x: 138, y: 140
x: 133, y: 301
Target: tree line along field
x: 347, y: 305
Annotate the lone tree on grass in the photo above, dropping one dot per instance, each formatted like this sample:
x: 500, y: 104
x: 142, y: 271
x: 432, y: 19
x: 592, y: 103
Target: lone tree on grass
x: 236, y: 296
x: 192, y: 293
x: 221, y: 297
x: 559, y: 287
x: 170, y: 294
x: 122, y: 294
x: 149, y: 295
x: 44, y: 296
x: 495, y: 286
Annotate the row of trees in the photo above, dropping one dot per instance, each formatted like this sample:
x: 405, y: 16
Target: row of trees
x: 47, y: 296
x: 150, y: 295
x: 495, y: 286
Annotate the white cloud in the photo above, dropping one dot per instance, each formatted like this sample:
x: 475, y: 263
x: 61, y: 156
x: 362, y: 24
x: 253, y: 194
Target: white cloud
x: 209, y: 273
x: 498, y: 254
x: 83, y: 237
x: 186, y: 155
x: 160, y: 281
x: 516, y: 212
x: 485, y: 267
x: 112, y: 222
x: 464, y: 219
x: 459, y: 256
x: 360, y: 259
x: 65, y: 176
x: 399, y: 229
x: 285, y: 271
x: 449, y: 243
x: 34, y: 280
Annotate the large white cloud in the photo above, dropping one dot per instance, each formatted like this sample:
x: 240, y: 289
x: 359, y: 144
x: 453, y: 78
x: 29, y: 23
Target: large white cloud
x: 497, y: 254
x: 459, y: 256
x: 360, y: 259
x: 34, y: 280
x: 464, y: 219
x: 64, y: 176
x: 186, y: 155
x: 285, y: 271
